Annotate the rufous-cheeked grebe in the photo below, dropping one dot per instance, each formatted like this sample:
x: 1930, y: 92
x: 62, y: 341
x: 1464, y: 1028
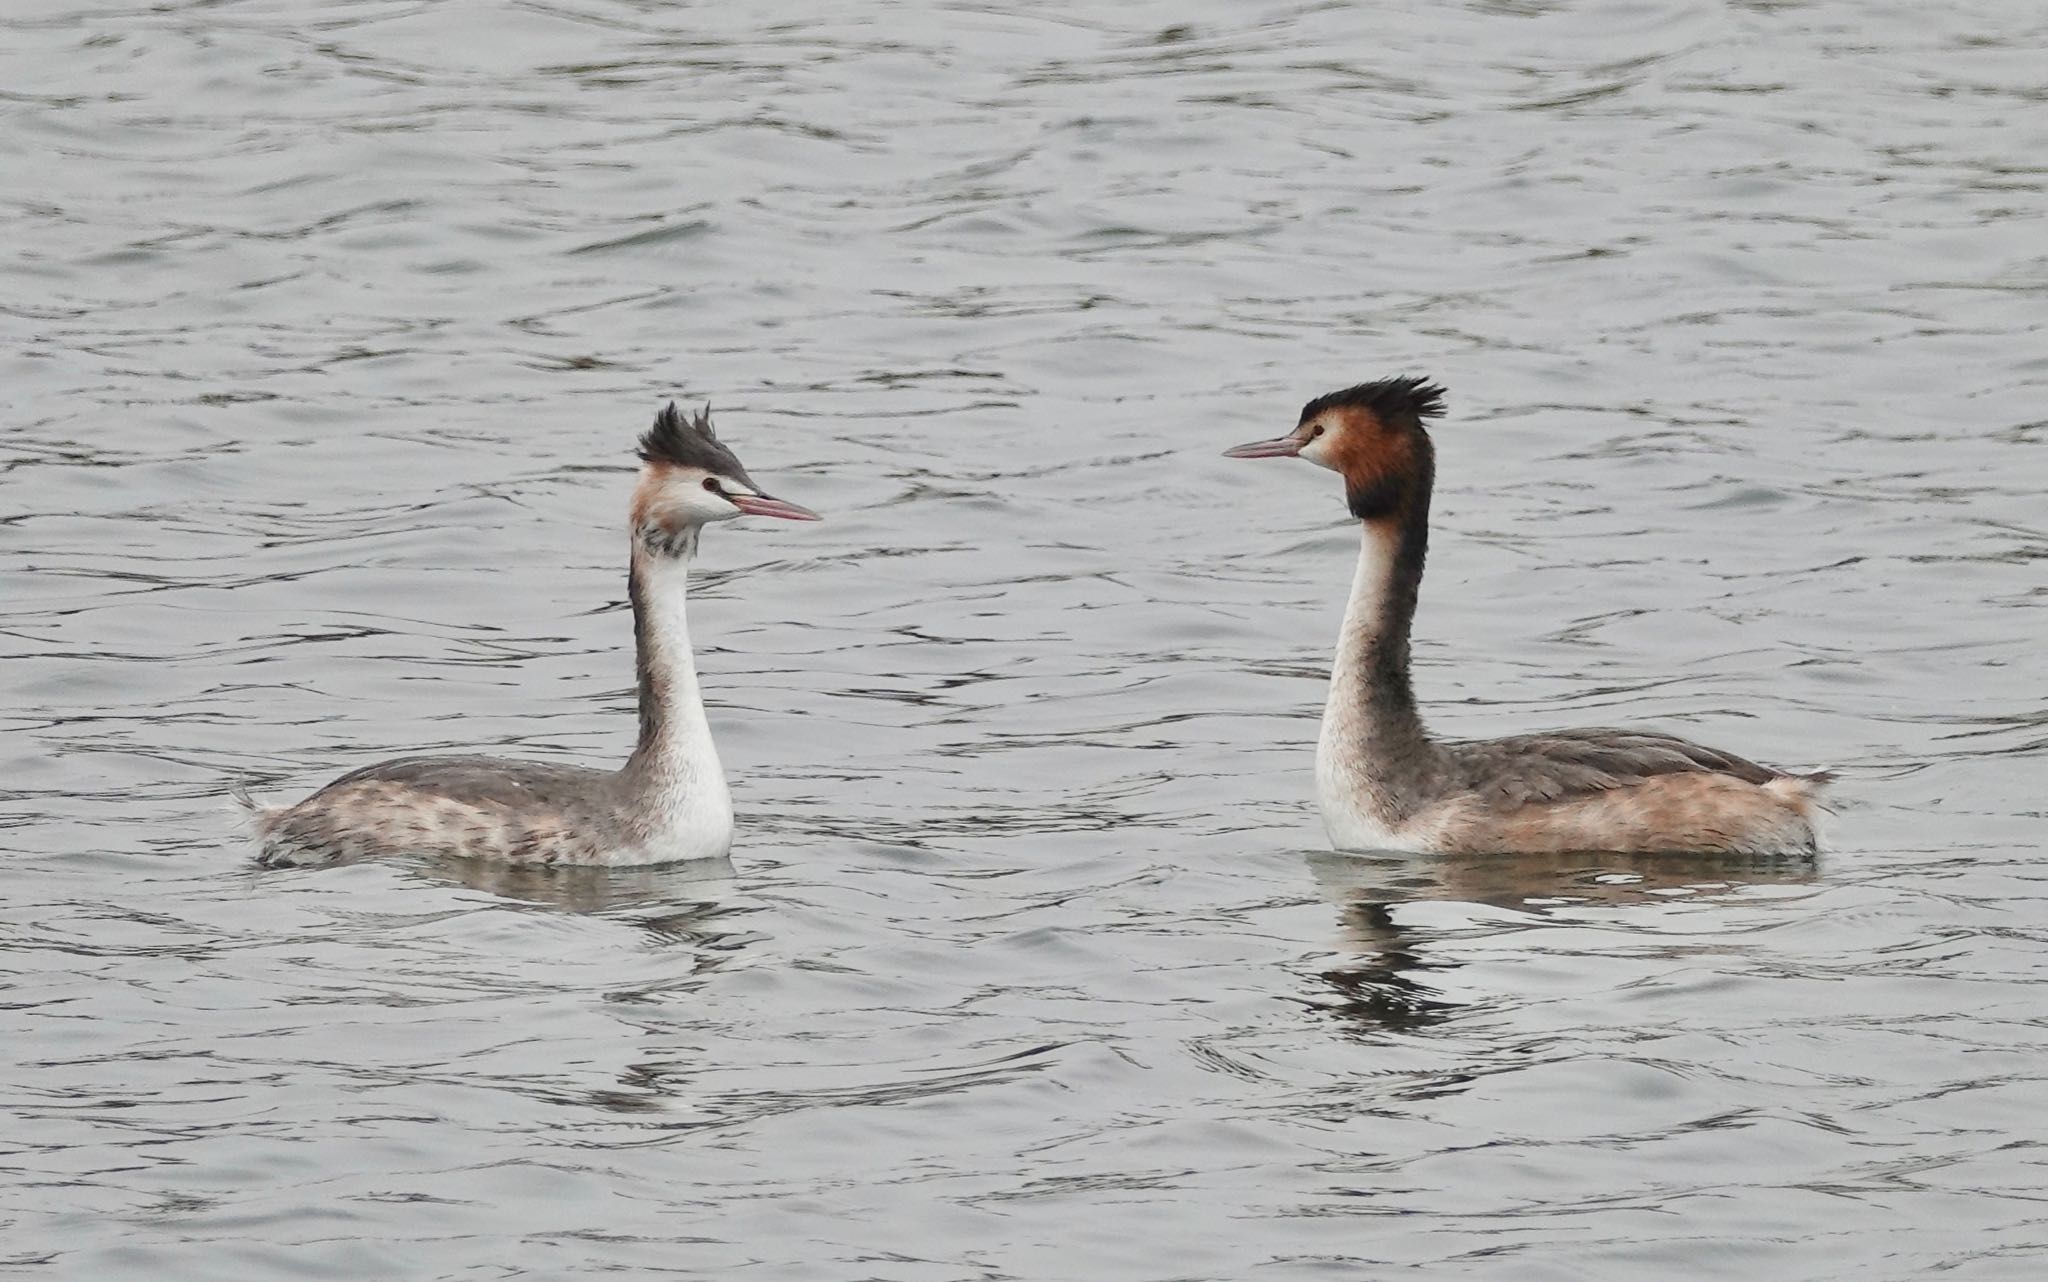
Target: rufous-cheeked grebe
x: 668, y: 803
x: 1382, y: 783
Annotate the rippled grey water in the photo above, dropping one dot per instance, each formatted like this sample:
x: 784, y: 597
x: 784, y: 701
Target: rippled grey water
x: 328, y: 327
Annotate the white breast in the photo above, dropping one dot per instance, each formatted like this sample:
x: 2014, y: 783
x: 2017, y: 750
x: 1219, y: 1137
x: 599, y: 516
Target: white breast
x: 1350, y: 808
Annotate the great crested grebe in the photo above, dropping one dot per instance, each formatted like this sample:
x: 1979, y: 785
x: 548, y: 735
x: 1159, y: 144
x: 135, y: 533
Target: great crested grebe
x: 668, y: 803
x: 1383, y: 783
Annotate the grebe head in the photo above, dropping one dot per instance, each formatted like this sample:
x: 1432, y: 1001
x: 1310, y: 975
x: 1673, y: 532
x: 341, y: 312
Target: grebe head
x: 692, y: 479
x: 1372, y: 435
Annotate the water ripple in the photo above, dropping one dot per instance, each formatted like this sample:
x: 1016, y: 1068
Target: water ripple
x: 330, y: 333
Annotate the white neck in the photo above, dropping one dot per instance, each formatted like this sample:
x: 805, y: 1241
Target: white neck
x: 1372, y: 750
x: 675, y: 783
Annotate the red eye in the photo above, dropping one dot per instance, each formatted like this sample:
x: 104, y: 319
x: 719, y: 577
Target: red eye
x: 711, y: 483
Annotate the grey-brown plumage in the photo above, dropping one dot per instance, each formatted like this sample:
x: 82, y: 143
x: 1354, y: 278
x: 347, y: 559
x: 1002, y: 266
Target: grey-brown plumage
x: 1553, y: 766
x: 488, y: 780
x: 520, y: 811
x: 1592, y: 789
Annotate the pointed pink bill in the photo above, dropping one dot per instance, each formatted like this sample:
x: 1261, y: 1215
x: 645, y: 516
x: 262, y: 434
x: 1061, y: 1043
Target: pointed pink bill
x: 1279, y: 447
x: 762, y: 505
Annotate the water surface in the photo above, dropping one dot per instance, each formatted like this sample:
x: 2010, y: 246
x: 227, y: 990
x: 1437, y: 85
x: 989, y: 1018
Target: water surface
x: 328, y: 328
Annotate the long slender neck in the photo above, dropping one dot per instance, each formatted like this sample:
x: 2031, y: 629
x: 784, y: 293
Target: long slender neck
x: 1373, y: 739
x: 673, y: 775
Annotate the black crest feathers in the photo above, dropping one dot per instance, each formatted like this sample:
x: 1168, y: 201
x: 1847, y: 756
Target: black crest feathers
x: 1396, y: 400
x: 689, y: 442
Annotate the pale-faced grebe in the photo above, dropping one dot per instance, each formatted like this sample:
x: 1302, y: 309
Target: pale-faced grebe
x: 666, y: 804
x: 1383, y: 783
